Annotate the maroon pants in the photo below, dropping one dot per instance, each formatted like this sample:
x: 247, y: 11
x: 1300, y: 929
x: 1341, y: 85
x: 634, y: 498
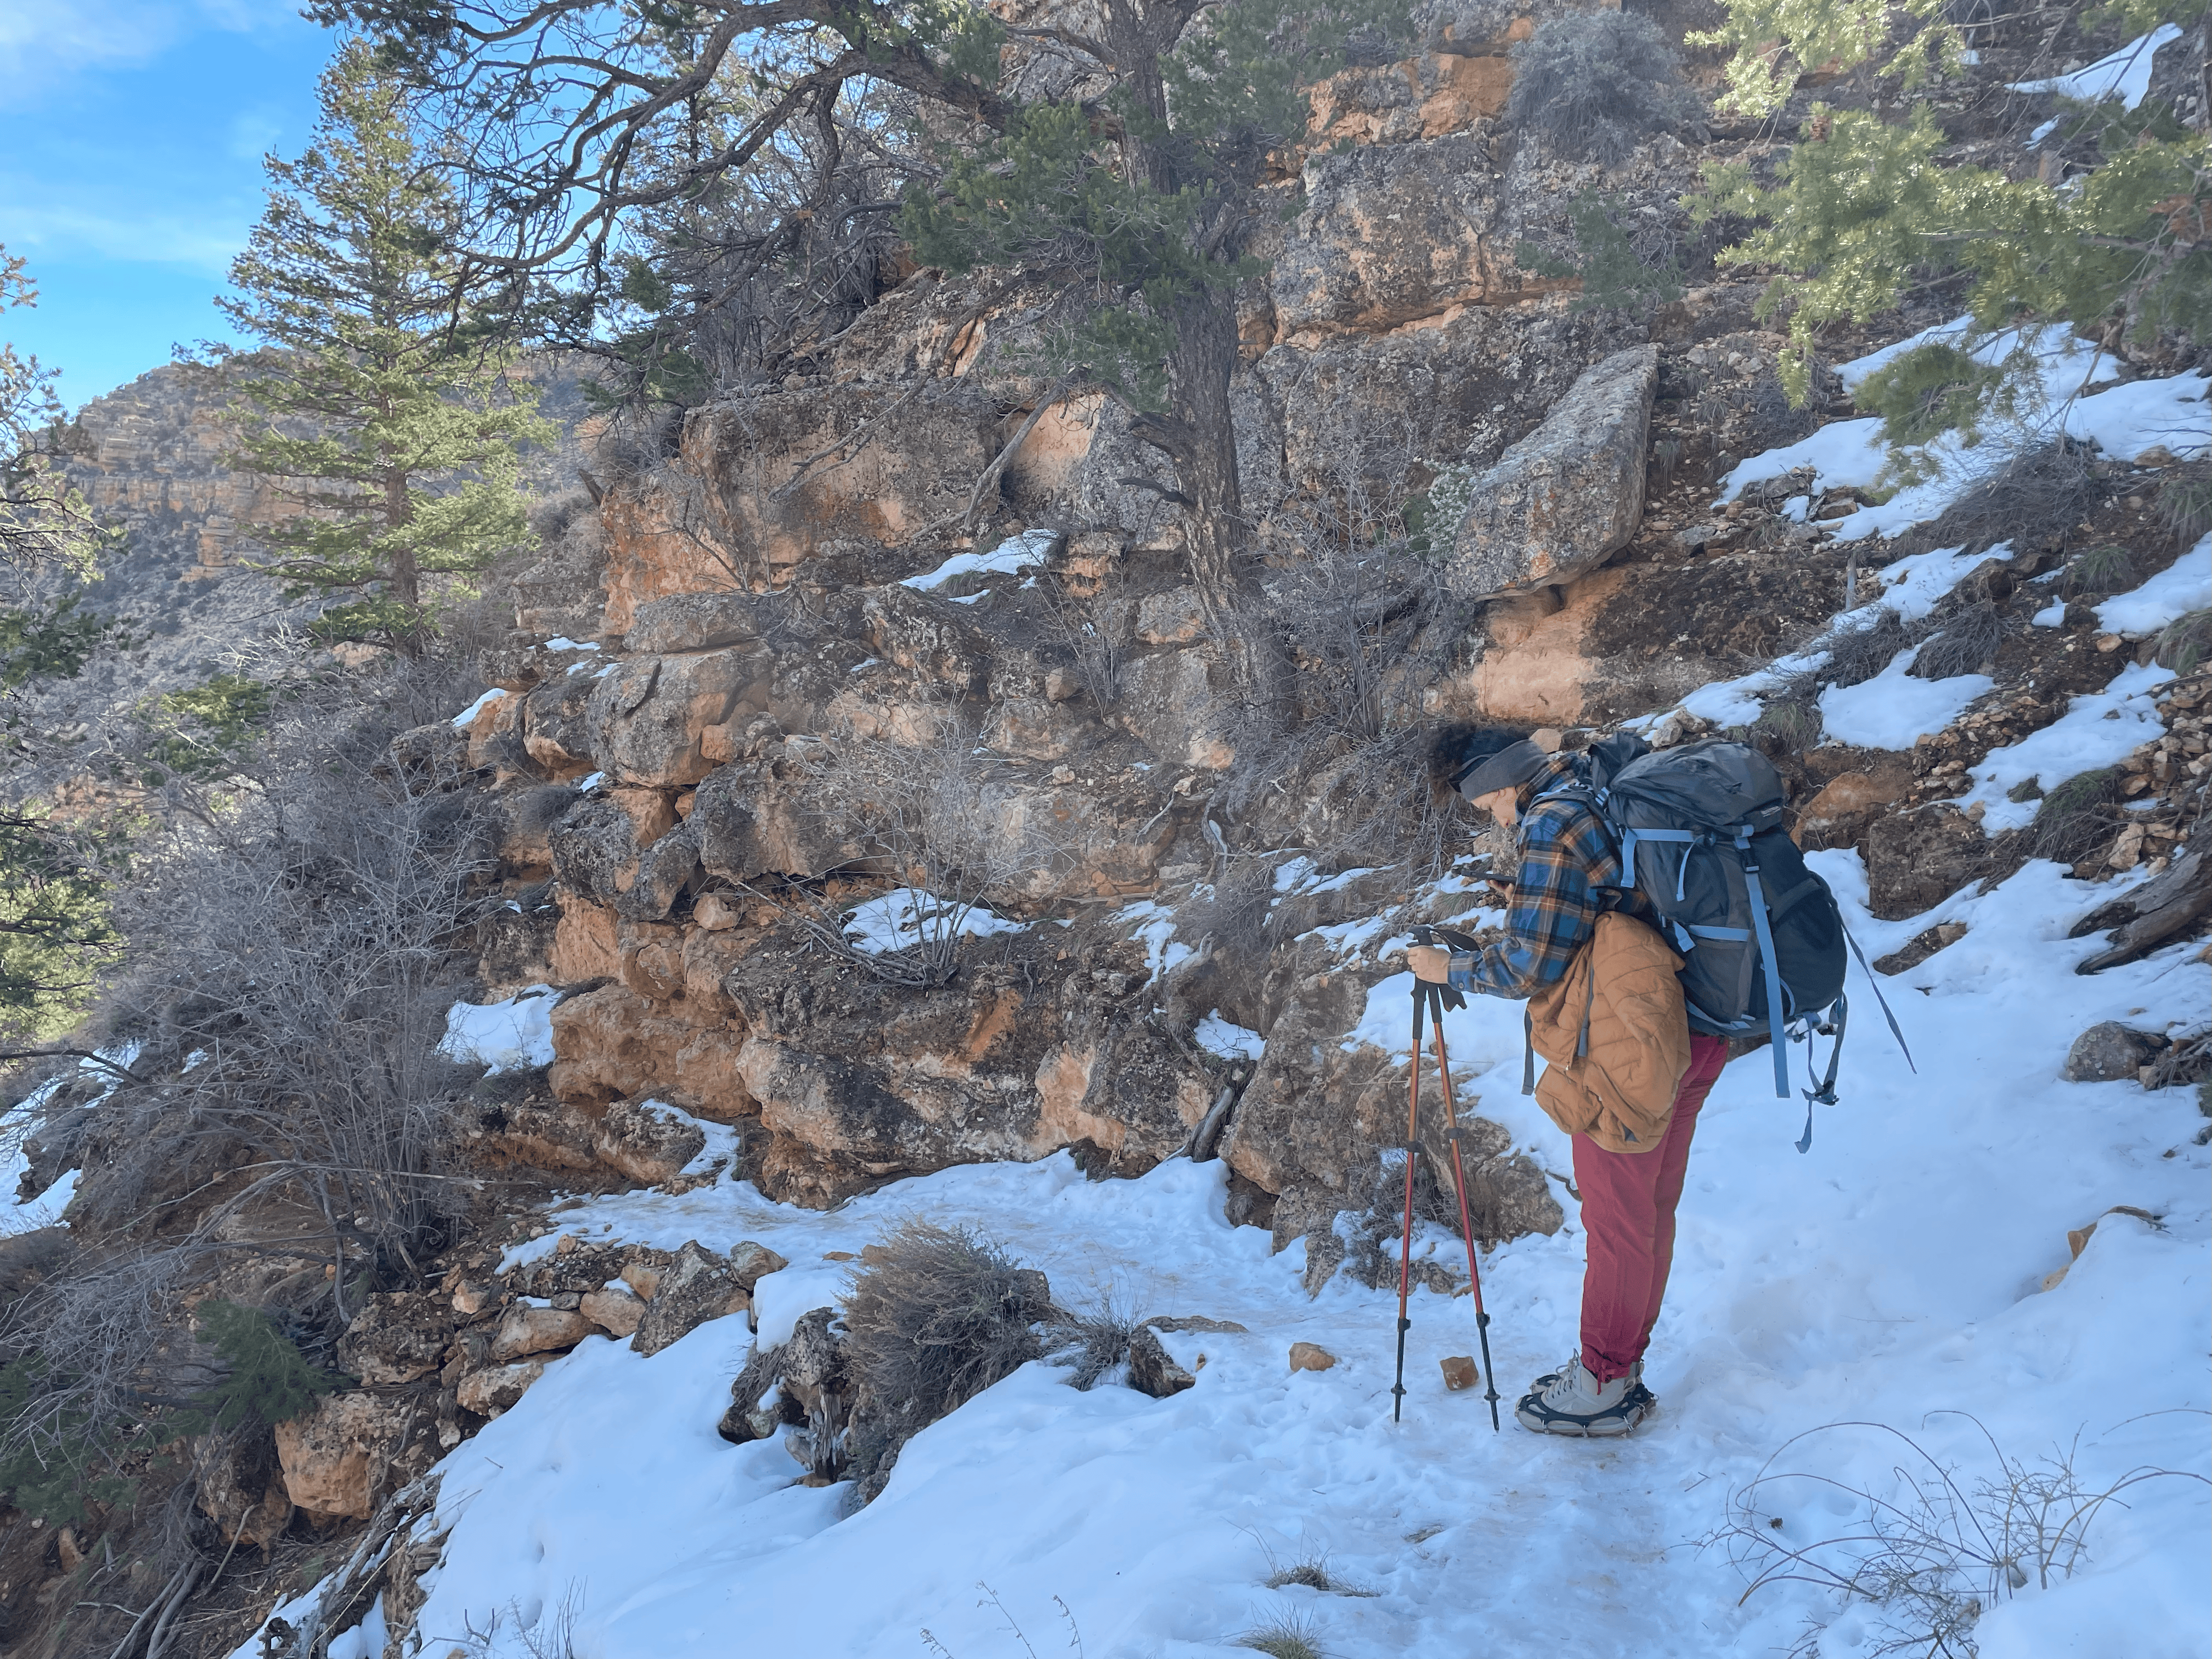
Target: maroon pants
x: 1628, y: 1216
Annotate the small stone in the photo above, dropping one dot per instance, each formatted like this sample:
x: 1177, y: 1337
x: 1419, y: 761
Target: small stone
x: 1308, y: 1357
x: 615, y: 1312
x: 471, y: 1297
x: 1461, y: 1372
x: 524, y: 1331
x: 2108, y: 642
x: 488, y: 1393
x: 1060, y: 685
x: 715, y: 912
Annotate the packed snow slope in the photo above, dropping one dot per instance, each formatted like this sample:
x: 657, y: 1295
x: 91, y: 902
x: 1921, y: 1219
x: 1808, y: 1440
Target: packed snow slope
x: 1889, y: 1277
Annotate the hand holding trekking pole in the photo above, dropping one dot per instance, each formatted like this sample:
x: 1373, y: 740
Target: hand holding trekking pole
x: 1433, y: 998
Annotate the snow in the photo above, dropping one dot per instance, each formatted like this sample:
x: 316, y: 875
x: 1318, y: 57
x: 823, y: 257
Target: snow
x: 515, y: 1035
x: 1220, y: 1037
x: 2099, y: 728
x: 467, y: 716
x: 591, y: 783
x: 721, y: 1151
x: 1889, y: 1278
x: 563, y: 642
x: 1892, y: 710
x: 1017, y: 552
x: 25, y: 1215
x: 906, y: 917
x: 2127, y: 421
x: 2051, y: 615
x: 2124, y: 74
x: 2184, y: 586
x: 1154, y: 925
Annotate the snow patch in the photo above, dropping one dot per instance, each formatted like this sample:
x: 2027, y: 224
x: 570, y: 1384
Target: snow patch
x: 907, y: 916
x: 1017, y: 552
x: 2124, y: 74
x: 515, y: 1035
x: 2183, y: 586
x: 1218, y: 1037
x: 1893, y: 710
x: 466, y: 718
x: 2099, y: 728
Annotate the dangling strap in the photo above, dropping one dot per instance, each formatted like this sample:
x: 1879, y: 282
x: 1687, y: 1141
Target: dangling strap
x: 1774, y: 1010
x: 1825, y: 1094
x: 1589, y: 1001
x: 1527, y: 1051
x: 1883, y: 1000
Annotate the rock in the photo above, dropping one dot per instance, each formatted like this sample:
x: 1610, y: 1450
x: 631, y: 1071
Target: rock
x: 613, y: 1043
x: 616, y: 1312
x: 699, y: 1286
x: 1153, y: 1370
x: 1175, y: 617
x: 491, y: 1391
x: 750, y: 1262
x: 650, y: 1147
x: 1565, y: 498
x: 1461, y: 1372
x: 1921, y: 946
x: 472, y: 1295
x: 1195, y: 1322
x: 1847, y: 803
x: 649, y: 719
x: 2107, y: 1052
x: 337, y: 1460
x: 1915, y: 860
x: 525, y: 1330
x: 1392, y: 234
x: 1307, y: 1357
x: 749, y: 823
x: 716, y: 912
x: 398, y: 1338
x: 695, y: 621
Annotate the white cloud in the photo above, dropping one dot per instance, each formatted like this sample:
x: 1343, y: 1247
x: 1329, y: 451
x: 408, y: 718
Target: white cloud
x: 196, y: 242
x: 43, y: 42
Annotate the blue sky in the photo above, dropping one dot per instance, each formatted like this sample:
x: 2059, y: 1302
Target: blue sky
x: 131, y: 133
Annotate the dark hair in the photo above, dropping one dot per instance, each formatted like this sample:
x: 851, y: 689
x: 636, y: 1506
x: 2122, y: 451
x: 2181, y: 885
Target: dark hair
x: 1457, y: 750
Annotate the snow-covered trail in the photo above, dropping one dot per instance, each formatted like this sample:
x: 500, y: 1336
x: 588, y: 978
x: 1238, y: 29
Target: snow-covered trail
x: 1892, y: 1274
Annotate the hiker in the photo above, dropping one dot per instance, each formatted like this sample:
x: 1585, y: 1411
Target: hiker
x: 1585, y: 951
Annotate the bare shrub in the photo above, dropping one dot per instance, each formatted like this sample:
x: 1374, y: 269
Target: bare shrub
x: 2098, y: 570
x: 937, y: 816
x: 991, y: 1599
x: 938, y: 1315
x: 1310, y: 1567
x: 1284, y: 1636
x: 1595, y: 83
x: 2042, y: 490
x: 1930, y: 1550
x: 2071, y: 819
x: 1857, y: 654
x: 2185, y: 643
x: 1095, y: 1341
x: 1968, y: 641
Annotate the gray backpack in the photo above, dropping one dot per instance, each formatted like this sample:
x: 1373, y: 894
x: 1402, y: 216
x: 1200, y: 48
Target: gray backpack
x: 1700, y: 836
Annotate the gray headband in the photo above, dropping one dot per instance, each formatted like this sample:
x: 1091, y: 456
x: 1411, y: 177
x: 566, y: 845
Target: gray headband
x: 1509, y: 768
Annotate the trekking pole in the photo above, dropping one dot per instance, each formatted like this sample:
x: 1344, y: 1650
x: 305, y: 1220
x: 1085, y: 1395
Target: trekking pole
x: 1459, y: 1180
x: 1406, y: 1240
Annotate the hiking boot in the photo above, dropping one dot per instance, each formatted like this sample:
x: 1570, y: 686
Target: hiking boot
x: 1637, y: 1391
x: 1574, y: 1402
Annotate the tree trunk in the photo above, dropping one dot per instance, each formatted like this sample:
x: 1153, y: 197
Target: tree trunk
x: 406, y: 581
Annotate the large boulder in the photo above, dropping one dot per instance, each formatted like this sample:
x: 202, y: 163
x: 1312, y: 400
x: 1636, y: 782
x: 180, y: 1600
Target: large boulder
x: 701, y: 1286
x: 1393, y: 234
x: 662, y: 720
x: 1568, y: 496
x: 341, y: 1458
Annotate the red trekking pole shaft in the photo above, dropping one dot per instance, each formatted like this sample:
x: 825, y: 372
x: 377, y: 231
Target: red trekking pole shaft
x: 1459, y: 1180
x: 1406, y: 1240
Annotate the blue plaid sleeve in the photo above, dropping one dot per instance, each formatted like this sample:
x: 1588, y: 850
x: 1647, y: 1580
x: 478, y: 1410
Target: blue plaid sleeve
x: 1567, y: 863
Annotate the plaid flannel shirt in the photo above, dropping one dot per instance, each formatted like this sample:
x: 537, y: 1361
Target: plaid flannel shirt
x: 1570, y: 874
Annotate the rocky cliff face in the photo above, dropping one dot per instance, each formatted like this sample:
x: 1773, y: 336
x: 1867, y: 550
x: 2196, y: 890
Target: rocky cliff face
x: 802, y: 584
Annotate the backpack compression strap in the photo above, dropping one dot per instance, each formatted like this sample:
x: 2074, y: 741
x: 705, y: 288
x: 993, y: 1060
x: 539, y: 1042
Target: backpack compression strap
x: 1774, y: 1012
x: 1883, y: 1000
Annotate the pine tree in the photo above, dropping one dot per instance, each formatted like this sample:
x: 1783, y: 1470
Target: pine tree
x: 389, y: 410
x: 1871, y: 203
x: 54, y: 928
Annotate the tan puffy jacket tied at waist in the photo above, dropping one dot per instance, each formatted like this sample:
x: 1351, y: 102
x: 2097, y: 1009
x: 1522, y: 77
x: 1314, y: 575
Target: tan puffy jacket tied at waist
x: 1620, y: 1092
